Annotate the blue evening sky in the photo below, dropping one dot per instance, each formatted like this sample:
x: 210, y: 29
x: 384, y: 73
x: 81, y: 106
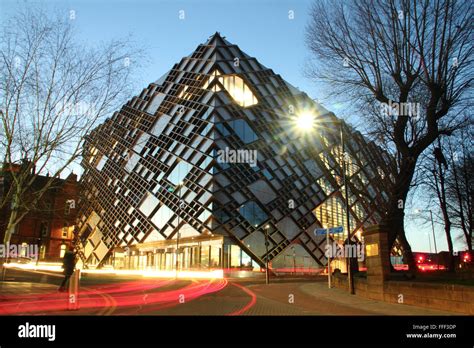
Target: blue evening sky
x: 261, y: 28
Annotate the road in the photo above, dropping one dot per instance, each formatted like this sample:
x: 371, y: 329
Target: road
x: 35, y: 293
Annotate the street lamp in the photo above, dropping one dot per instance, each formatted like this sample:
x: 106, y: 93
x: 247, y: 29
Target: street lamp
x: 294, y: 259
x: 418, y: 211
x: 306, y: 122
x: 179, y: 186
x: 429, y: 241
x: 267, y: 274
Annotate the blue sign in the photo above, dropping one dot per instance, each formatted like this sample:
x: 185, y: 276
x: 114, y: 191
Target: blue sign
x: 338, y: 229
x: 320, y: 231
x: 333, y: 230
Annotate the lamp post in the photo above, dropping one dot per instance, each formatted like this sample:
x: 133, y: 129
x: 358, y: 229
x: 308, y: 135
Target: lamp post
x: 429, y: 241
x: 267, y: 274
x: 306, y: 122
x: 329, y: 259
x: 178, y: 233
x: 348, y: 224
x: 433, y: 231
x: 294, y: 260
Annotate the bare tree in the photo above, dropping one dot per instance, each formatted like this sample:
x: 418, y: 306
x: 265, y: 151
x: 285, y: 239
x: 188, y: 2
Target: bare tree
x: 411, y: 62
x: 53, y: 91
x: 448, y: 183
x: 436, y: 169
x: 460, y: 183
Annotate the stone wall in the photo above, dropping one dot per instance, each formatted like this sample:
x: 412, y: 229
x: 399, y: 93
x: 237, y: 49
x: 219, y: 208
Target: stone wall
x: 446, y: 297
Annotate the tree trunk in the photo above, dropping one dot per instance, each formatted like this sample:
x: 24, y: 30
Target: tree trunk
x: 12, y: 223
x: 447, y: 221
x: 395, y: 216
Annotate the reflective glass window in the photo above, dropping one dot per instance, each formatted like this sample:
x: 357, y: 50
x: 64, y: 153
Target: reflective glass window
x: 148, y: 204
x: 253, y: 213
x: 243, y: 130
x: 162, y: 216
x: 179, y: 172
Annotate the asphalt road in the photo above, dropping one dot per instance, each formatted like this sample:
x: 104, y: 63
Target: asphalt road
x: 29, y: 292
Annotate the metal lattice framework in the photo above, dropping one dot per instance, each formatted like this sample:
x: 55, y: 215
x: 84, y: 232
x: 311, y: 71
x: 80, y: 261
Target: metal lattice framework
x: 163, y: 147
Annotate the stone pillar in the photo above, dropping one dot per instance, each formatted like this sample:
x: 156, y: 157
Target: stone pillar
x: 377, y: 260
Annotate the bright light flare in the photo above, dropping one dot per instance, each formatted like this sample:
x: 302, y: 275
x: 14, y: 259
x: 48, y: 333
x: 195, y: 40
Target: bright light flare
x: 56, y: 267
x: 305, y: 121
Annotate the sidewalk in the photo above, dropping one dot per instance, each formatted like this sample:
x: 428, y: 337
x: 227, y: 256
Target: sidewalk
x: 339, y: 296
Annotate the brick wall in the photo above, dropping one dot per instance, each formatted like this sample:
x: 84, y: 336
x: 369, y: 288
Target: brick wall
x: 446, y: 297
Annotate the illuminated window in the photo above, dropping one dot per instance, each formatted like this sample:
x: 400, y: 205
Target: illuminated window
x: 235, y: 86
x: 63, y: 250
x: 93, y: 152
x: 216, y: 87
x: 332, y: 213
x: 65, y: 230
x: 24, y: 249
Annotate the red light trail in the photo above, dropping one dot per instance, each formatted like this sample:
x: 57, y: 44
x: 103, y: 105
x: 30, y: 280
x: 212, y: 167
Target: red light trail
x: 123, y: 295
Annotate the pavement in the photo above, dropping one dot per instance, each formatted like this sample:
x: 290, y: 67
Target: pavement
x: 112, y: 295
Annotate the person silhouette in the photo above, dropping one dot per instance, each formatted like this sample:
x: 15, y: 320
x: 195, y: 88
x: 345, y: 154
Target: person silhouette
x: 69, y: 262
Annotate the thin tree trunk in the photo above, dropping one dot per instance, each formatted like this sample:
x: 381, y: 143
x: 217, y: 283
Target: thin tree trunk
x: 441, y: 191
x: 460, y: 201
x: 12, y: 223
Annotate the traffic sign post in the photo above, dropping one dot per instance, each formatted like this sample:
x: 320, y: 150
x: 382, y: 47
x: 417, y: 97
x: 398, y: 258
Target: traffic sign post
x: 326, y: 231
x: 329, y: 260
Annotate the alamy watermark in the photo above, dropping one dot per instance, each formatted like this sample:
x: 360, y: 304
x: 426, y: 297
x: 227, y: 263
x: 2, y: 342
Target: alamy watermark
x: 353, y: 250
x: 400, y: 109
x: 16, y: 251
x: 237, y: 156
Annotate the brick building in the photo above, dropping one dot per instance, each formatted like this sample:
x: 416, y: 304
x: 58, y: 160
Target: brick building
x: 51, y: 224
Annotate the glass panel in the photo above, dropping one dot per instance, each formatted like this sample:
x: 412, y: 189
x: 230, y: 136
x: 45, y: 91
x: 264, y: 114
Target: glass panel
x: 222, y: 129
x: 204, y: 216
x: 179, y: 172
x: 235, y: 86
x: 101, y: 163
x: 253, y: 213
x: 221, y: 216
x: 234, y: 256
x: 149, y: 204
x: 243, y: 130
x: 215, y: 256
x: 238, y: 90
x: 204, y: 256
x: 160, y: 125
x: 132, y: 162
x: 155, y: 103
x: 141, y: 142
x: 162, y: 216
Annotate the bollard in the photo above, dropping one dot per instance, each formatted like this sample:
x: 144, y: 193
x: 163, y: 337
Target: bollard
x: 73, y: 298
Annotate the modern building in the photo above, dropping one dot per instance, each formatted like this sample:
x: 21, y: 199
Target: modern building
x: 205, y: 166
x: 50, y: 222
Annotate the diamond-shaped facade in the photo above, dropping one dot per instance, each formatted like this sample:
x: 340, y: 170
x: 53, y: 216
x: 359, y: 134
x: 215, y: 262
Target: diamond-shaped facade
x: 210, y: 150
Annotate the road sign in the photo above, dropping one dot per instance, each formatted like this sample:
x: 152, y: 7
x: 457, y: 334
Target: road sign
x: 320, y: 231
x: 338, y: 229
x: 333, y: 230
